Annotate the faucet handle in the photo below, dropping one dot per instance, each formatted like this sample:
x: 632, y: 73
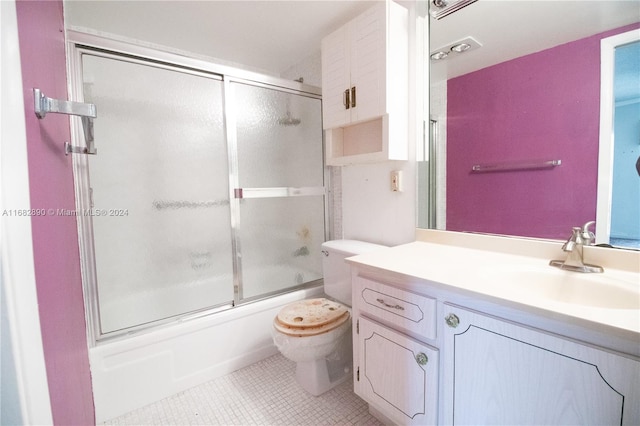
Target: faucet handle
x: 575, y: 238
x: 587, y: 235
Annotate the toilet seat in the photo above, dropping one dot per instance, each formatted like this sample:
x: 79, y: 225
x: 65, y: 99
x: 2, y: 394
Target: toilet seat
x: 310, y: 317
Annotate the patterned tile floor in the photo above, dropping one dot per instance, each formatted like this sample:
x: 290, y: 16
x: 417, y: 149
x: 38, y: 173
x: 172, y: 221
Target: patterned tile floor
x: 264, y: 393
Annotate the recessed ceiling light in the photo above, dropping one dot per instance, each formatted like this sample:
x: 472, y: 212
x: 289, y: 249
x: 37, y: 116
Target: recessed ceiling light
x: 438, y: 9
x: 461, y: 47
x: 452, y: 50
x: 439, y: 55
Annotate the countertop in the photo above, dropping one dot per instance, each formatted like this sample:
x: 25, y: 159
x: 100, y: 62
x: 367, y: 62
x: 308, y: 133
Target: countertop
x: 469, y: 270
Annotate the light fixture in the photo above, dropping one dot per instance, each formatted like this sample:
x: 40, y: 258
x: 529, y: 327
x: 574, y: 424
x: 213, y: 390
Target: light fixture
x: 438, y: 9
x: 462, y: 47
x: 453, y: 49
x: 439, y: 55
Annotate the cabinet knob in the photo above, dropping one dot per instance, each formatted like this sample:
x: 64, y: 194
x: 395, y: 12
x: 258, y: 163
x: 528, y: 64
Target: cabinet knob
x: 452, y: 320
x: 422, y: 359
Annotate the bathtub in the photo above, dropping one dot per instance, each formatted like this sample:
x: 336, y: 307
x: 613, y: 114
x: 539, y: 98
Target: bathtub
x: 142, y: 368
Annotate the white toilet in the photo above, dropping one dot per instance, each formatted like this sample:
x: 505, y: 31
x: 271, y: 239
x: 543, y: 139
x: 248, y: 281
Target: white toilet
x: 316, y: 333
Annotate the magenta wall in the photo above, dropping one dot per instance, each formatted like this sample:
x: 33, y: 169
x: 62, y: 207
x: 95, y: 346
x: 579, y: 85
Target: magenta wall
x: 55, y: 238
x: 541, y: 106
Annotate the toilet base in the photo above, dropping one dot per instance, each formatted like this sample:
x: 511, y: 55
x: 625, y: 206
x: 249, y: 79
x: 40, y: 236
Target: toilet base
x: 318, y: 376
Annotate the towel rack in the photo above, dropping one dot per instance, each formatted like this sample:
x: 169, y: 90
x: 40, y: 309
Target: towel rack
x: 44, y: 105
x: 162, y: 205
x: 515, y: 165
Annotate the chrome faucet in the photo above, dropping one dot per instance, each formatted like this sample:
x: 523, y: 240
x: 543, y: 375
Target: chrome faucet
x: 574, y: 246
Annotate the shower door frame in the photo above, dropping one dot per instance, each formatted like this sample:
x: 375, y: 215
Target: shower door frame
x: 79, y: 43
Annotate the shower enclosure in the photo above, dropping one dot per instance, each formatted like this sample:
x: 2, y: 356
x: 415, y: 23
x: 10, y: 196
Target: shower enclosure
x: 207, y: 190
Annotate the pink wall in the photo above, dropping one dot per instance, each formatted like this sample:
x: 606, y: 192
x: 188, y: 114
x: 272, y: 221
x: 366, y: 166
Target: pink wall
x: 55, y: 238
x: 541, y: 106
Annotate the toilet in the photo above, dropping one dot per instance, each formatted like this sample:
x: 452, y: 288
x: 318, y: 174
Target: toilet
x: 316, y: 333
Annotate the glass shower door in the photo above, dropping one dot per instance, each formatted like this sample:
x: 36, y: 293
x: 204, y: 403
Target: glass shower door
x: 160, y: 184
x: 280, y: 221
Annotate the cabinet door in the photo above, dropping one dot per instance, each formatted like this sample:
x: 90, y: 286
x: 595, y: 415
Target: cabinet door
x: 496, y: 372
x: 396, y: 374
x: 368, y: 35
x: 335, y: 79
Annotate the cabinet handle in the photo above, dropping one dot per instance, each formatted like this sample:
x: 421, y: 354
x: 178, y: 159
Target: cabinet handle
x: 345, y: 99
x: 422, y: 359
x: 353, y: 97
x: 382, y: 302
x: 452, y: 320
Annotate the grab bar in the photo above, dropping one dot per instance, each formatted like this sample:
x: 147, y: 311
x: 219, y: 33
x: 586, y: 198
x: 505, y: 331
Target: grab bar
x: 278, y: 192
x: 44, y: 105
x: 515, y: 165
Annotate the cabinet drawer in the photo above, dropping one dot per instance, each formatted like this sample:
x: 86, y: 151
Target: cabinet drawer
x: 408, y: 311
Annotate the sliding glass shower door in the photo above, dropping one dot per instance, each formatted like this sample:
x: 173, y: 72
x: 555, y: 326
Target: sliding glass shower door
x: 280, y: 187
x: 206, y: 191
x: 163, y: 247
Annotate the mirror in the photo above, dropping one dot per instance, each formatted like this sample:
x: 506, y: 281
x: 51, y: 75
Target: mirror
x: 525, y: 100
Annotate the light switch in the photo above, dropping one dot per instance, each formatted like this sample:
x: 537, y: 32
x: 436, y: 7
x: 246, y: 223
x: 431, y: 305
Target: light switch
x: 396, y: 181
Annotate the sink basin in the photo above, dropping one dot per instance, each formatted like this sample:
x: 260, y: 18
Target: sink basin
x: 594, y: 290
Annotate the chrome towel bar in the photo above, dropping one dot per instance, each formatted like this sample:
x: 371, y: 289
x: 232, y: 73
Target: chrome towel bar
x: 515, y: 165
x: 44, y: 105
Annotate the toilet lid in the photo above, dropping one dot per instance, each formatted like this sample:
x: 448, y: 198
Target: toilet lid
x: 310, y: 317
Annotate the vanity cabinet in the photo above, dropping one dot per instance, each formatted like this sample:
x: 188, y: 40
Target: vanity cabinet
x: 497, y: 372
x: 426, y: 355
x: 365, y: 87
x: 394, y: 372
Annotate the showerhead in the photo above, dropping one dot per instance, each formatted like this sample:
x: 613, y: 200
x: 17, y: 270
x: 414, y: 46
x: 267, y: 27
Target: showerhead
x: 288, y: 120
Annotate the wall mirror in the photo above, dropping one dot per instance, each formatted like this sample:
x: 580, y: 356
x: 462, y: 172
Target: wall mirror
x: 514, y: 118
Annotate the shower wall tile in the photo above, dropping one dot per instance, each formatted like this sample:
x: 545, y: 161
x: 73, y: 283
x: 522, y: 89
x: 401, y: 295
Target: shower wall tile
x: 335, y: 202
x: 309, y: 69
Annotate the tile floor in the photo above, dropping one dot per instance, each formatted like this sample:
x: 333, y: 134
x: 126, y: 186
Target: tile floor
x: 264, y: 393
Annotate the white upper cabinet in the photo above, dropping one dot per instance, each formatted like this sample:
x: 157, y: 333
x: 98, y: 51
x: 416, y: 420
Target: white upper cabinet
x: 353, y: 70
x: 336, y: 79
x: 365, y: 87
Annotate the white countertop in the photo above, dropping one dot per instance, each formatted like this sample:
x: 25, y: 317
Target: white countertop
x: 471, y: 271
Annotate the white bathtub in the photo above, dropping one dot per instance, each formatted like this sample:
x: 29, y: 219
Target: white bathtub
x: 132, y: 372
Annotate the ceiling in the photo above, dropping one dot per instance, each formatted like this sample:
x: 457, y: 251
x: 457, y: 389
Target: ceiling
x: 266, y: 36
x: 507, y: 29
x: 270, y: 36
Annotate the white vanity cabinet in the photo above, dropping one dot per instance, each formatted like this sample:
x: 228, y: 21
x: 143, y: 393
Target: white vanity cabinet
x: 500, y: 373
x: 426, y: 355
x: 365, y: 87
x: 394, y: 372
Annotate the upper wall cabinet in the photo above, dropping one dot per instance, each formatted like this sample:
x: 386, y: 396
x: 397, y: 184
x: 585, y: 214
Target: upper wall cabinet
x: 365, y: 87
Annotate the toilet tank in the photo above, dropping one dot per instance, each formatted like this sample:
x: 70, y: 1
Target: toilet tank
x: 337, y: 272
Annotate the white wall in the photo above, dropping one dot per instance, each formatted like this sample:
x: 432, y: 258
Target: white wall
x: 371, y: 211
